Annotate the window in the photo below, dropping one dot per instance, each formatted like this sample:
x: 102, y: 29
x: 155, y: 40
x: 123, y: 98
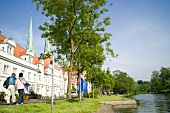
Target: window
x: 9, y: 49
x: 14, y: 70
x: 33, y: 87
x: 44, y: 79
x: 39, y: 77
x: 2, y: 48
x: 29, y: 59
x: 29, y: 75
x: 22, y: 71
x: 35, y: 77
x: 48, y: 79
x: 5, y: 69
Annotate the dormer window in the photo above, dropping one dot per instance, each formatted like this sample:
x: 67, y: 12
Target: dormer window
x: 9, y: 48
x: 29, y: 59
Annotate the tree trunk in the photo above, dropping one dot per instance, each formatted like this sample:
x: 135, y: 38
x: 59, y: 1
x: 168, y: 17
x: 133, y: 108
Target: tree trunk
x: 69, y: 85
x: 71, y: 67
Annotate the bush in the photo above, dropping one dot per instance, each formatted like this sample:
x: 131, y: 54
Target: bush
x: 86, y: 95
x: 34, y: 95
x: 73, y: 88
x: 96, y: 94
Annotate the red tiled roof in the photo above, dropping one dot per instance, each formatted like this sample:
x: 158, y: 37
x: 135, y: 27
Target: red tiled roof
x: 18, y: 51
x: 2, y: 38
x: 59, y: 68
x: 46, y: 62
x: 36, y: 60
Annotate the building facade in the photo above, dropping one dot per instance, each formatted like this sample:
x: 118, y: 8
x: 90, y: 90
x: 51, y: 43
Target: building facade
x: 38, y: 72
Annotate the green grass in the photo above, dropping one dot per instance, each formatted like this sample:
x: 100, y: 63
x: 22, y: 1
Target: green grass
x: 62, y: 106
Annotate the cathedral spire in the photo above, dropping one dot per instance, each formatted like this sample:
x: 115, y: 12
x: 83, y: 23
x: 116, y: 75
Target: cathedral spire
x: 47, y: 48
x: 30, y: 38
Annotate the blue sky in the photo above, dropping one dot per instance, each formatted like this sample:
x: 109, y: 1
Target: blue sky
x: 140, y: 32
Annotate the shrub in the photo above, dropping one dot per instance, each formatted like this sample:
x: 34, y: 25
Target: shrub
x: 73, y: 88
x: 96, y: 94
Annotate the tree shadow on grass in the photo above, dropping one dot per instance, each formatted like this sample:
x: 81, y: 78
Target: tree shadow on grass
x: 73, y: 100
x: 50, y: 102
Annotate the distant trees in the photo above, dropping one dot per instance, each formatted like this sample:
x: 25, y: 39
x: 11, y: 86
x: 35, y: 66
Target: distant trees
x: 121, y: 83
x: 143, y: 87
x: 101, y: 79
x: 160, y: 81
x: 107, y: 81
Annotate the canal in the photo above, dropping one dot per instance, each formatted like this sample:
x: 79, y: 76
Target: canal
x: 149, y: 103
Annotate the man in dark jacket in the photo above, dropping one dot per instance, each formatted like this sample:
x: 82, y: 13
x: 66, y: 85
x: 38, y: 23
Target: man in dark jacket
x: 11, y: 89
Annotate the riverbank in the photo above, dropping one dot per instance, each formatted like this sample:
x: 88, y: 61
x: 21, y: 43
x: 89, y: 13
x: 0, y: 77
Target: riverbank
x: 87, y: 105
x: 110, y: 106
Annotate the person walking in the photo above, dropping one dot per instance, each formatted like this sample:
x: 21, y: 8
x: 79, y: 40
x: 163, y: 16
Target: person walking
x: 20, y: 86
x: 11, y: 89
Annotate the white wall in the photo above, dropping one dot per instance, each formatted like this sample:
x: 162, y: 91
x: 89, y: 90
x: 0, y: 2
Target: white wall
x: 40, y: 86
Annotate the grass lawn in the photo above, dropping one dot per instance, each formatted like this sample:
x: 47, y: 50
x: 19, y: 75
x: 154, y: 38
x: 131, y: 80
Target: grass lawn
x: 61, y: 106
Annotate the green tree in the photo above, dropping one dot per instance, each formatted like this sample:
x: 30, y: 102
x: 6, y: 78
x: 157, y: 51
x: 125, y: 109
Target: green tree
x: 155, y: 85
x: 74, y: 23
x: 165, y: 77
x: 124, y: 84
x: 140, y: 81
x: 108, y: 80
x: 143, y: 87
x: 160, y: 80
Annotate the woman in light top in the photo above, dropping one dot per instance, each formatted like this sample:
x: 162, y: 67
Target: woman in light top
x: 20, y: 86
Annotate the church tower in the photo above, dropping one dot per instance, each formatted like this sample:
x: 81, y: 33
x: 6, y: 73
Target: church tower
x: 29, y: 45
x: 47, y: 48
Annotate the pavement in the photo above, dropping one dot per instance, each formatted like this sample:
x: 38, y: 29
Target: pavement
x: 28, y: 101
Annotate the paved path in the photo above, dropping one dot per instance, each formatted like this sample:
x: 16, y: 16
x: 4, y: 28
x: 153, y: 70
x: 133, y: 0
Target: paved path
x: 29, y: 101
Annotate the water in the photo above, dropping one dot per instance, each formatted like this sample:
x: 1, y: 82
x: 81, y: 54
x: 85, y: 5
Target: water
x: 151, y: 103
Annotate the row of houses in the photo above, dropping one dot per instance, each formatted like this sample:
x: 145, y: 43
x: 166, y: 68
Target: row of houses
x: 38, y: 72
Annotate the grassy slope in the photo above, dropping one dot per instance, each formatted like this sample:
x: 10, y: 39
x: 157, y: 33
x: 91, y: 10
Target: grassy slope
x: 61, y: 106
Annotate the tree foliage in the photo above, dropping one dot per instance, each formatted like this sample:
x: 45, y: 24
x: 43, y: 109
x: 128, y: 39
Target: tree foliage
x: 143, y: 87
x: 124, y: 84
x: 160, y: 80
x: 76, y: 24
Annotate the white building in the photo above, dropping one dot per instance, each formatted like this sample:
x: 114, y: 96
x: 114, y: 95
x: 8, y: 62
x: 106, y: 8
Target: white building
x: 38, y: 72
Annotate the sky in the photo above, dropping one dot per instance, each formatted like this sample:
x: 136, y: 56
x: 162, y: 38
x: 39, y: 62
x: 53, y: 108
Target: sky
x: 140, y: 32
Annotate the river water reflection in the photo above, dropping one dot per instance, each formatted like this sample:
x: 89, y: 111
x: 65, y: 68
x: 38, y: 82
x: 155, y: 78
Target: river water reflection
x: 150, y: 103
